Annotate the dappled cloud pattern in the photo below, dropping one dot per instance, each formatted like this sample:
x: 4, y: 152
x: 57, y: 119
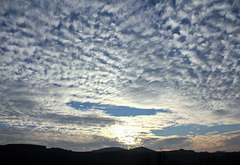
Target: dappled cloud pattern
x: 180, y: 58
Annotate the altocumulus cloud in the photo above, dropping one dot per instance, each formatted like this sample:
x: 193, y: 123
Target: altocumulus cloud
x: 179, y: 56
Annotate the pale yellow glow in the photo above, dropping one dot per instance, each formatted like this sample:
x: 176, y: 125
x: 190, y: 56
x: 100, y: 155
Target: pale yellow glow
x: 125, y: 134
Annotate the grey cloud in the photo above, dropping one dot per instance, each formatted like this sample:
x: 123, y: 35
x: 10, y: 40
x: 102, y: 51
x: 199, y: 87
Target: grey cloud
x: 168, y: 143
x: 233, y: 141
x: 221, y: 112
x: 51, y: 138
x: 23, y: 104
x: 78, y: 120
x: 16, y: 99
x: 100, y: 142
x: 177, y: 143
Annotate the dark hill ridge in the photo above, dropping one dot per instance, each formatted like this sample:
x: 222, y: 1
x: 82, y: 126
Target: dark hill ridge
x: 142, y: 149
x: 110, y: 149
x: 114, y: 149
x: 19, y: 154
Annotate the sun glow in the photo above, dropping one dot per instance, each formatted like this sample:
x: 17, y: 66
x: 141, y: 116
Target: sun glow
x: 126, y: 134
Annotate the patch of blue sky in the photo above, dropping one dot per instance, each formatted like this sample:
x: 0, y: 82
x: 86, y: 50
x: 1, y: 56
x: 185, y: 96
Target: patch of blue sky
x: 194, y: 129
x: 4, y: 125
x: 115, y: 110
x: 30, y: 126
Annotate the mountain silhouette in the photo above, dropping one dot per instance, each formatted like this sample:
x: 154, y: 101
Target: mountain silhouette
x: 110, y: 149
x: 141, y: 149
x: 27, y: 154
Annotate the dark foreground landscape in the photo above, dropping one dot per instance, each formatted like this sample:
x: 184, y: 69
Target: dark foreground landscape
x: 18, y: 154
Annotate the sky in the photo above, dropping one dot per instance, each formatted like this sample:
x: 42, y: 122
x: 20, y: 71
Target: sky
x: 83, y: 75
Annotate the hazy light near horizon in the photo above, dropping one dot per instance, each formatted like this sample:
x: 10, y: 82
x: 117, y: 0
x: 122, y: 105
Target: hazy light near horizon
x: 126, y: 134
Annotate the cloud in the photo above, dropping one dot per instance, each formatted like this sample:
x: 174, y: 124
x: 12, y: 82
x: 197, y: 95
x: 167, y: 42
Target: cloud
x: 81, y: 120
x: 170, y: 143
x: 233, y: 141
x: 210, y: 142
x: 174, y: 55
x: 220, y: 112
x: 60, y: 139
x: 179, y: 142
x: 23, y: 106
x: 195, y: 130
x: 216, y: 142
x: 18, y: 99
